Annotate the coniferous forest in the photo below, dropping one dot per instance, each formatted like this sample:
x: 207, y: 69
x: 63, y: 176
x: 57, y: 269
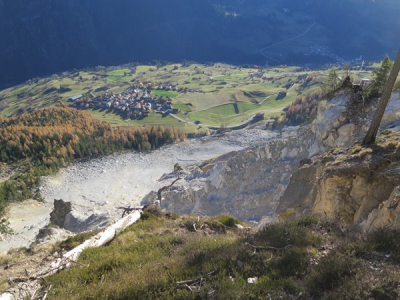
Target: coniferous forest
x: 41, y: 142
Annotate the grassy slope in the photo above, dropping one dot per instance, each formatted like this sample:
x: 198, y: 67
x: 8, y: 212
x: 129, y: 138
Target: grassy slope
x: 221, y: 85
x: 314, y: 259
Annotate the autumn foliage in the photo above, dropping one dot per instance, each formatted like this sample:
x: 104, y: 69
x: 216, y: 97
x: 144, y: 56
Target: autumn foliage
x: 45, y: 140
x: 302, y: 110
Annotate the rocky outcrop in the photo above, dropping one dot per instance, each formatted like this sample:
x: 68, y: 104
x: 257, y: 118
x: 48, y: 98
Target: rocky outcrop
x: 344, y: 119
x: 249, y: 184
x: 65, y: 216
x: 356, y: 185
x: 244, y: 183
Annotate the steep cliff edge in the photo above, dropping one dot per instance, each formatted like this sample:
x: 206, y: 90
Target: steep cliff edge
x: 255, y: 183
x: 354, y: 184
x: 357, y: 185
x: 244, y: 183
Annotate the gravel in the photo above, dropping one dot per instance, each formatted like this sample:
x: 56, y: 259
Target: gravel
x: 98, y: 186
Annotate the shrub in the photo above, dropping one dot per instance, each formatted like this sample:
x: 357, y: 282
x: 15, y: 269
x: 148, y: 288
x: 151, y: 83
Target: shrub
x: 385, y: 240
x: 331, y: 272
x: 284, y: 234
x: 227, y: 220
x: 293, y: 263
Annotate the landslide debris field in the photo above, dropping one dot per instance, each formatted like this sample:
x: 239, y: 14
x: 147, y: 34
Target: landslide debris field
x: 98, y: 186
x: 215, y: 95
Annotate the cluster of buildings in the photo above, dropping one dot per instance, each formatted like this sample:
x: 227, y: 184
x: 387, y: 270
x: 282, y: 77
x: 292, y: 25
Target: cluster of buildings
x: 132, y: 103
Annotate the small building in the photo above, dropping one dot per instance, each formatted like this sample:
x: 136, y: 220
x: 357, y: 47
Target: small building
x: 74, y: 98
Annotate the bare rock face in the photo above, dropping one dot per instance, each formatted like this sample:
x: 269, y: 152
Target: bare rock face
x: 344, y: 119
x: 60, y: 212
x: 254, y: 183
x: 386, y: 214
x: 355, y: 186
x: 65, y: 216
x: 246, y: 184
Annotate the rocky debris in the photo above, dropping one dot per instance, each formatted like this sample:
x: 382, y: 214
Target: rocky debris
x: 243, y: 183
x: 60, y: 212
x: 64, y: 216
x: 96, y: 187
x: 50, y: 233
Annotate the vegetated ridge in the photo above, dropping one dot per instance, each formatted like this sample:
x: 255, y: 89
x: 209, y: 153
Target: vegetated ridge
x: 164, y: 256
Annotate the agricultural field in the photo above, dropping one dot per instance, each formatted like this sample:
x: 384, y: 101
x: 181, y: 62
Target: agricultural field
x: 206, y: 95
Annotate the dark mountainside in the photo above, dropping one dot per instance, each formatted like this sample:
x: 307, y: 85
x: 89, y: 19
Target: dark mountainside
x: 46, y: 36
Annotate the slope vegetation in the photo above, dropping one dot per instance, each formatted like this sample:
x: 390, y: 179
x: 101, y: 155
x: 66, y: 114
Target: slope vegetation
x: 171, y: 257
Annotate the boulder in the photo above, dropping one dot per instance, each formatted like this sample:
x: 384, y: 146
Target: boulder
x: 70, y: 218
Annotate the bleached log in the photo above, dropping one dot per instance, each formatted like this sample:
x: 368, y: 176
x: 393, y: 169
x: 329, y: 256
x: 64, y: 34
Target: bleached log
x: 72, y: 256
x: 7, y: 296
x: 98, y: 240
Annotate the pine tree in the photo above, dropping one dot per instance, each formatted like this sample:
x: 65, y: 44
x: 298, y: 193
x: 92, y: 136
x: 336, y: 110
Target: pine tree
x: 333, y: 80
x: 380, y: 77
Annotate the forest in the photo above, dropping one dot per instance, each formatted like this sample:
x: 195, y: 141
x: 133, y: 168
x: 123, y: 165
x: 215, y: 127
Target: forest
x: 41, y: 142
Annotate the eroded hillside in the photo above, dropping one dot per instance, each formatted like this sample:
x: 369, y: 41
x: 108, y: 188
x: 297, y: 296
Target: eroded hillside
x: 249, y: 183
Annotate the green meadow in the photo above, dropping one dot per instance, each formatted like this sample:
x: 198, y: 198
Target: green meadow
x: 213, y: 95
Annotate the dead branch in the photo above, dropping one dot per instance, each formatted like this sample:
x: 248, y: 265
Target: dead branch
x: 267, y: 247
x: 164, y: 188
x: 47, y: 292
x: 21, y: 279
x: 129, y: 209
x: 187, y: 284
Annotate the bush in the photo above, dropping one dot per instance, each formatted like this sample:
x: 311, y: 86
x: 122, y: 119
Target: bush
x: 293, y: 263
x: 330, y: 273
x: 292, y: 233
x: 228, y: 220
x: 385, y: 240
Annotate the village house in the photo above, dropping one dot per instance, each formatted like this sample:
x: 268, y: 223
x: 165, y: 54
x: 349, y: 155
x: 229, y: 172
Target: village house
x: 136, y: 101
x: 75, y: 98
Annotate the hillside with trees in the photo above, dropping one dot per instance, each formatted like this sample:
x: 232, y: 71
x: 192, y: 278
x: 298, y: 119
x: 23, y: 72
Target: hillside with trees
x: 41, y: 142
x: 301, y: 111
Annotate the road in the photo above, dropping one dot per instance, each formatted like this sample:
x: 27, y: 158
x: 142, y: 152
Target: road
x: 287, y: 40
x: 240, y: 125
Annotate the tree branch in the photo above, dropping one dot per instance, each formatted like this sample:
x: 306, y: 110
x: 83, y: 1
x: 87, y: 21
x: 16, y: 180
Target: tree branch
x: 267, y: 247
x: 186, y: 284
x: 164, y: 188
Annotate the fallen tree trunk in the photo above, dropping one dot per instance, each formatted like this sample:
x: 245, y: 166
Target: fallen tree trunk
x: 70, y: 257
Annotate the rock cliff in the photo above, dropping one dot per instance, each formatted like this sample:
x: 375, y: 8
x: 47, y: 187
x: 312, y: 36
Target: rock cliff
x: 354, y: 184
x: 245, y: 183
x: 267, y: 181
x: 358, y: 185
